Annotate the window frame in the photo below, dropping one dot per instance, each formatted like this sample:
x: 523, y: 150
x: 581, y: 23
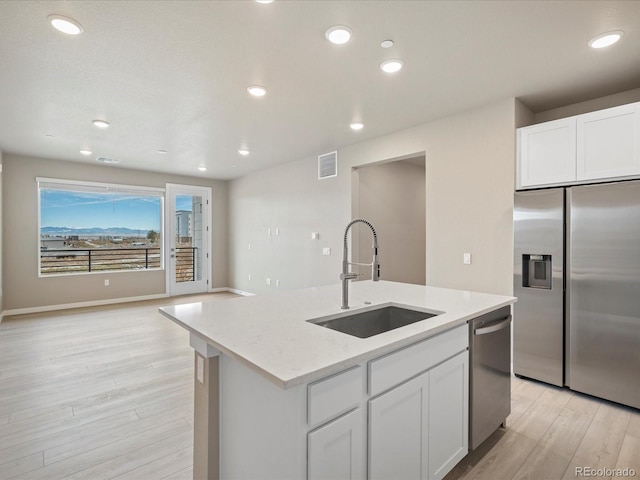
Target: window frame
x: 100, y: 187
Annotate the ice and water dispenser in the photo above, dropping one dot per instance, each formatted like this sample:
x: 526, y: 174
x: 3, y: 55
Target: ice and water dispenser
x: 536, y: 271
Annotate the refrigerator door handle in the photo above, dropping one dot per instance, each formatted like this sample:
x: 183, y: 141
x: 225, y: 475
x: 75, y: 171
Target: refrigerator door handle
x: 494, y: 327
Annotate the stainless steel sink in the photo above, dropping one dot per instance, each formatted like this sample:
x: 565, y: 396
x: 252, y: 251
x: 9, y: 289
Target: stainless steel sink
x: 373, y: 322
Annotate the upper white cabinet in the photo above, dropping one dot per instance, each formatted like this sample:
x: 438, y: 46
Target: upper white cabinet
x: 595, y: 146
x: 547, y: 153
x: 607, y: 143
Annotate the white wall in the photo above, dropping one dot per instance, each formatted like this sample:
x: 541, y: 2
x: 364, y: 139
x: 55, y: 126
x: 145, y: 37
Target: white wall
x: 469, y: 202
x: 23, y: 289
x: 622, y: 98
x: 391, y: 196
x: 1, y: 270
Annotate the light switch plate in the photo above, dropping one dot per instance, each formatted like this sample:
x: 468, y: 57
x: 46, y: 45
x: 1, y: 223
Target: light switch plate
x: 467, y: 259
x: 326, y: 251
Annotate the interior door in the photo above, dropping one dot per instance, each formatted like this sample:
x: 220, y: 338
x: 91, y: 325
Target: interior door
x: 187, y: 240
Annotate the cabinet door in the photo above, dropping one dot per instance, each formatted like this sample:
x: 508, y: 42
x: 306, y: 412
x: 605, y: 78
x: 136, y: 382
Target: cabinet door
x: 547, y: 154
x: 608, y: 143
x: 336, y: 450
x: 448, y: 415
x: 398, y: 432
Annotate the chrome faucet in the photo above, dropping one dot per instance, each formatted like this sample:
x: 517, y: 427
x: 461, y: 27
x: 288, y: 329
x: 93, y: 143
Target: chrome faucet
x: 346, y: 275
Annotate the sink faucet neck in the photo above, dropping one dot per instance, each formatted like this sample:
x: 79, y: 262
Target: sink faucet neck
x: 346, y: 235
x: 346, y: 275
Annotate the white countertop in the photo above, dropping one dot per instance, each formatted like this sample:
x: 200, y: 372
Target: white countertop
x: 271, y: 335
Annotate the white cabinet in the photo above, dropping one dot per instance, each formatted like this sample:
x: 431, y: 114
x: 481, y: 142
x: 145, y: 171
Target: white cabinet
x: 597, y: 146
x: 391, y: 370
x: 398, y: 432
x: 547, y: 154
x: 607, y: 144
x: 333, y: 396
x: 336, y: 450
x: 414, y: 415
x: 419, y: 430
x: 448, y: 415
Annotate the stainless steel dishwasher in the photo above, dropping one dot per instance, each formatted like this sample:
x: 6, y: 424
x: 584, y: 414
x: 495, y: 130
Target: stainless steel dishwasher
x: 489, y: 374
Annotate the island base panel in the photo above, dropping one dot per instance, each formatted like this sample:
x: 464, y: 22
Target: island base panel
x: 206, y: 418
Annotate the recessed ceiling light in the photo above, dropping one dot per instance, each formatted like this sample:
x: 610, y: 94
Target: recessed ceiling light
x: 202, y: 168
x: 338, y: 34
x: 86, y: 152
x: 386, y: 43
x: 257, y: 90
x: 101, y: 123
x: 357, y: 126
x: 244, y: 152
x: 162, y: 152
x: 391, y: 66
x: 606, y: 39
x: 264, y: 1
x: 65, y: 24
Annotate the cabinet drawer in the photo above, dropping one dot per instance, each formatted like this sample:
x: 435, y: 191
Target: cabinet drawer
x: 333, y: 396
x: 397, y: 367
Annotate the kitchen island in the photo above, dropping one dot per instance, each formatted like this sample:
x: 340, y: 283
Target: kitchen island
x: 277, y: 396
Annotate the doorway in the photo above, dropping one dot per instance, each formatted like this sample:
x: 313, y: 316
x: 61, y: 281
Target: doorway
x: 392, y: 196
x: 187, y: 239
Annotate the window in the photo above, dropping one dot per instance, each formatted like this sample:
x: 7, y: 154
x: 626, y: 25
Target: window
x: 89, y: 227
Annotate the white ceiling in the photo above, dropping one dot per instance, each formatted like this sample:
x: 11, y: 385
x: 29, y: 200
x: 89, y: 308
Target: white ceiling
x: 172, y: 75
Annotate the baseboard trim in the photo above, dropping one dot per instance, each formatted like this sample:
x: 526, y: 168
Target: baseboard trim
x: 111, y: 301
x: 93, y: 303
x: 239, y: 292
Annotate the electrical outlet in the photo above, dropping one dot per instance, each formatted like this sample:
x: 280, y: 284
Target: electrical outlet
x: 106, y: 282
x: 466, y: 258
x: 277, y: 283
x: 326, y: 251
x: 268, y: 282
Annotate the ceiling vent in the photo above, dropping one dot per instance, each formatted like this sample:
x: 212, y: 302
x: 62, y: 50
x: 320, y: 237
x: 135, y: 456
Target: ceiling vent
x: 328, y: 165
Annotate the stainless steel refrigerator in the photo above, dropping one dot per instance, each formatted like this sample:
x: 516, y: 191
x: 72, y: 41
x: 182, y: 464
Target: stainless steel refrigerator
x: 577, y: 279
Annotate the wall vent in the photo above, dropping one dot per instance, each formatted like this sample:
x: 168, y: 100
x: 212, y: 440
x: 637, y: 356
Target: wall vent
x: 107, y: 160
x: 328, y: 165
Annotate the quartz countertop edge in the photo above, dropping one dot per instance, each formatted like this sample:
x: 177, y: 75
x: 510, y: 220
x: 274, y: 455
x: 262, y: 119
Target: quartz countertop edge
x: 274, y: 336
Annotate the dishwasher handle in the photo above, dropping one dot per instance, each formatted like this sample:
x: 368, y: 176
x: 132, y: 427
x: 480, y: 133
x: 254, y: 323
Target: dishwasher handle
x: 494, y: 327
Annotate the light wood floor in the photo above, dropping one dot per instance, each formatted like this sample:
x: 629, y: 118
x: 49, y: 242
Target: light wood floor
x: 554, y: 433
x: 104, y: 393
x: 97, y: 393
